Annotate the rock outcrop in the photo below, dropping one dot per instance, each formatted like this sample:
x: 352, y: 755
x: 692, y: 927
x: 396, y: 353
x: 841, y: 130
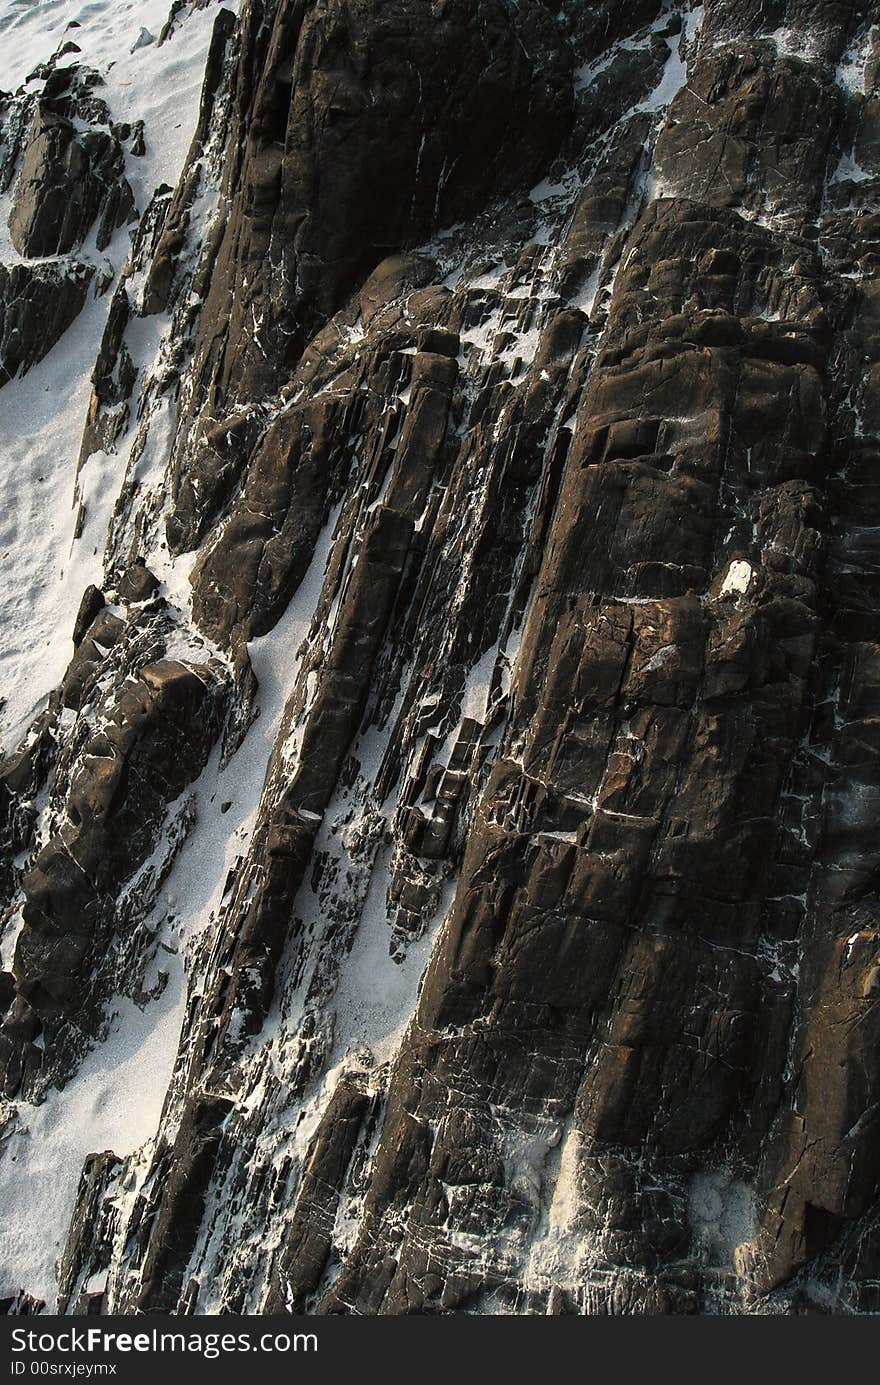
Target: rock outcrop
x: 65, y: 165
x: 37, y: 305
x: 68, y: 178
x: 154, y: 741
x: 488, y: 651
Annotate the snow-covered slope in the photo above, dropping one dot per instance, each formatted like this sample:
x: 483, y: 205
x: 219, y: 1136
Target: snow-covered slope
x: 43, y: 416
x: 49, y: 559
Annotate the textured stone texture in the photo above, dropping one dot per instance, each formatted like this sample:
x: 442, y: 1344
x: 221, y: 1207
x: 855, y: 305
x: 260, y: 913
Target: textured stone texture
x: 68, y: 178
x: 154, y: 742
x: 37, y: 305
x: 362, y: 128
x: 545, y: 975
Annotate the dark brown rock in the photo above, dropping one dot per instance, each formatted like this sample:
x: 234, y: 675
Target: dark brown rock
x: 155, y: 742
x: 37, y: 305
x: 322, y: 194
x: 542, y: 979
x: 68, y: 180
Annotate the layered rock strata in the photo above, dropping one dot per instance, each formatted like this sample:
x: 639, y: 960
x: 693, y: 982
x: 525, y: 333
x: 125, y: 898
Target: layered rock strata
x: 513, y: 423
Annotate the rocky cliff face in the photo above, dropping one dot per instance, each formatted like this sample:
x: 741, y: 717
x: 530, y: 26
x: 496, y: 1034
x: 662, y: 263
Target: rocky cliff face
x: 445, y: 877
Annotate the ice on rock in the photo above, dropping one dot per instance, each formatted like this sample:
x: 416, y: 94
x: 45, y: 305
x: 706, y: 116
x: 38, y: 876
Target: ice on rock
x: 143, y: 40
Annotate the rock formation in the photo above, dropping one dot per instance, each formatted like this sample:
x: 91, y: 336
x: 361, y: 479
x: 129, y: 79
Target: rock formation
x: 476, y: 702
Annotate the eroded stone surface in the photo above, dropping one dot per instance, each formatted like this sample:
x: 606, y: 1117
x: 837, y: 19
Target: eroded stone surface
x: 545, y: 976
x: 69, y: 177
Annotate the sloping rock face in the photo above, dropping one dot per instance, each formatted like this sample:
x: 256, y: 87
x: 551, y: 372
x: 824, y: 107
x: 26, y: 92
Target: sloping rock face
x: 361, y: 129
x: 66, y: 171
x: 154, y: 742
x: 37, y: 305
x: 499, y: 504
x: 67, y: 179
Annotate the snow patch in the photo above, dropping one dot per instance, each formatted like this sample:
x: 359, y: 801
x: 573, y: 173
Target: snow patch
x: 737, y: 579
x: 723, y: 1216
x: 851, y: 70
x: 113, y: 1103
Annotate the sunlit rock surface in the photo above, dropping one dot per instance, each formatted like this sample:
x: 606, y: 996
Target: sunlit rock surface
x: 442, y: 657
